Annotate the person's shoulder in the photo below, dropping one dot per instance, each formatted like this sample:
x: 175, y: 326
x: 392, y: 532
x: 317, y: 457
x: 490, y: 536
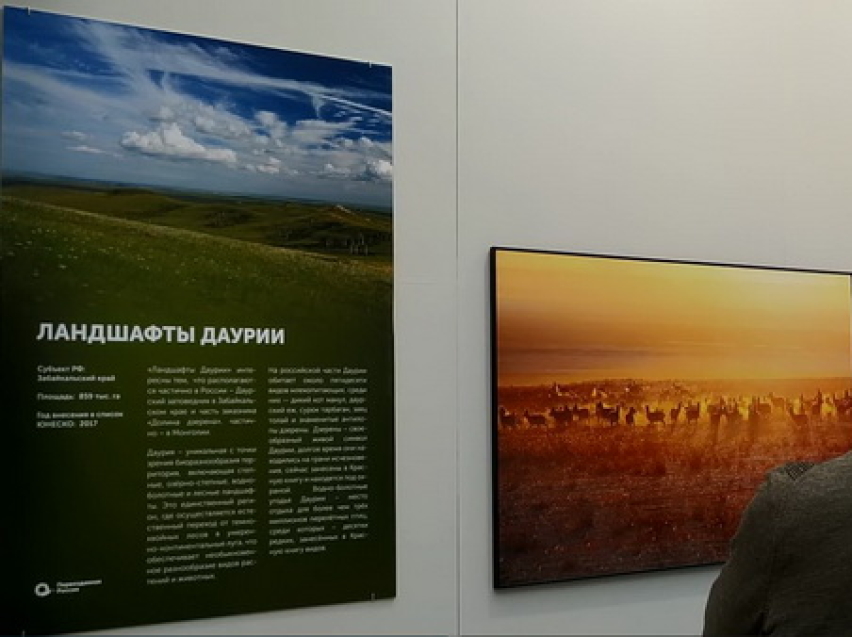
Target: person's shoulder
x: 838, y: 468
x: 784, y: 480
x: 793, y: 470
x: 812, y: 488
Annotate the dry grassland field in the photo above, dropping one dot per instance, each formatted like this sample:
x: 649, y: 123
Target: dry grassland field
x: 590, y: 484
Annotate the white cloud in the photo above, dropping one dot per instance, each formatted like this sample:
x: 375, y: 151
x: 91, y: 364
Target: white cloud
x: 75, y: 135
x: 271, y: 167
x: 88, y: 149
x: 314, y: 132
x: 332, y: 171
x: 363, y: 149
x: 204, y: 124
x: 207, y: 119
x: 163, y: 114
x: 274, y: 127
x: 267, y: 118
x: 217, y: 121
x: 383, y: 149
x: 169, y: 141
x: 379, y: 170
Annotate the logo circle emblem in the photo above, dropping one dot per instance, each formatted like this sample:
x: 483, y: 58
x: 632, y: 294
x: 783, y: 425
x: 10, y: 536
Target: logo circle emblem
x: 42, y: 589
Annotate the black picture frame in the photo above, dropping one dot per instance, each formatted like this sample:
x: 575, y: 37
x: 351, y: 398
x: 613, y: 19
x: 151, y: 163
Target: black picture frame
x: 578, y: 492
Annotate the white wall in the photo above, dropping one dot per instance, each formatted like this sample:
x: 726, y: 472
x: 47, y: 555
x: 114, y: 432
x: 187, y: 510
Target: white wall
x: 707, y: 130
x: 418, y: 39
x: 714, y: 130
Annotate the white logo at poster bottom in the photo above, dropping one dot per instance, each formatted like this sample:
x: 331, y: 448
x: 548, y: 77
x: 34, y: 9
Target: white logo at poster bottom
x: 42, y: 589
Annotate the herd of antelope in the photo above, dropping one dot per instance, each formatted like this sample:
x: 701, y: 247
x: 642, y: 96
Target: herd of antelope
x: 715, y: 410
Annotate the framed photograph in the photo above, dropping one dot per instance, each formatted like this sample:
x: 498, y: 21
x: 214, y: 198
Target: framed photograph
x: 638, y: 403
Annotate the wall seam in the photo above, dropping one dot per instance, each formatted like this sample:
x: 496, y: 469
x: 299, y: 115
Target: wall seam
x: 459, y: 604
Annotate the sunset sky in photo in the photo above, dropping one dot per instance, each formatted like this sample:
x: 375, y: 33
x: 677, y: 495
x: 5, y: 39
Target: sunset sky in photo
x: 563, y: 318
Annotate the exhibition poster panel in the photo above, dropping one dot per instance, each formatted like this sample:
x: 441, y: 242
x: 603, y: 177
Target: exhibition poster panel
x: 196, y: 327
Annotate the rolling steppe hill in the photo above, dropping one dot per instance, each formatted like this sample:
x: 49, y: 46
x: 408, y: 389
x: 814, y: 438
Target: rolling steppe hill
x: 315, y: 227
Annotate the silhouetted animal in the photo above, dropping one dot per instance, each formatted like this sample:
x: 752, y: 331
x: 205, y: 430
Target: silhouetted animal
x: 674, y: 413
x: 798, y: 419
x: 732, y: 413
x: 753, y: 415
x: 562, y: 415
x: 764, y: 410
x: 613, y: 415
x: 816, y: 406
x: 507, y: 418
x: 778, y: 402
x: 581, y: 414
x: 693, y: 412
x: 716, y: 411
x: 655, y: 417
x: 536, y: 420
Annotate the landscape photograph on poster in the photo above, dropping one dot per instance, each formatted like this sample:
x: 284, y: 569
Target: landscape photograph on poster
x: 197, y: 322
x: 223, y: 147
x: 638, y: 404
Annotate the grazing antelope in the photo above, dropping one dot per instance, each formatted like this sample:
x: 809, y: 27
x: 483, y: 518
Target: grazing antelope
x: 816, y: 406
x: 764, y: 409
x: 732, y: 414
x: 508, y: 418
x: 778, y: 402
x: 753, y: 417
x: 716, y: 411
x: 581, y: 414
x: 842, y: 405
x: 757, y: 411
x: 536, y: 420
x: 606, y: 414
x: 844, y: 409
x: 674, y: 413
x: 562, y: 415
x: 655, y: 417
x: 798, y: 419
x: 630, y: 416
x: 613, y: 415
x: 692, y: 413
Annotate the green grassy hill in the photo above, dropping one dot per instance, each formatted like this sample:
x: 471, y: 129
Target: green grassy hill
x: 325, y: 229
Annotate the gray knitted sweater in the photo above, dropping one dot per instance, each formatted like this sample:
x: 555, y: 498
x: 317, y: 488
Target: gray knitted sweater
x: 790, y: 570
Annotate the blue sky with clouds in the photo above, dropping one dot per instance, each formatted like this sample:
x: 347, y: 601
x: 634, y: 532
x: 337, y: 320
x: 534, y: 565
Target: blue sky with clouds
x: 95, y: 100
